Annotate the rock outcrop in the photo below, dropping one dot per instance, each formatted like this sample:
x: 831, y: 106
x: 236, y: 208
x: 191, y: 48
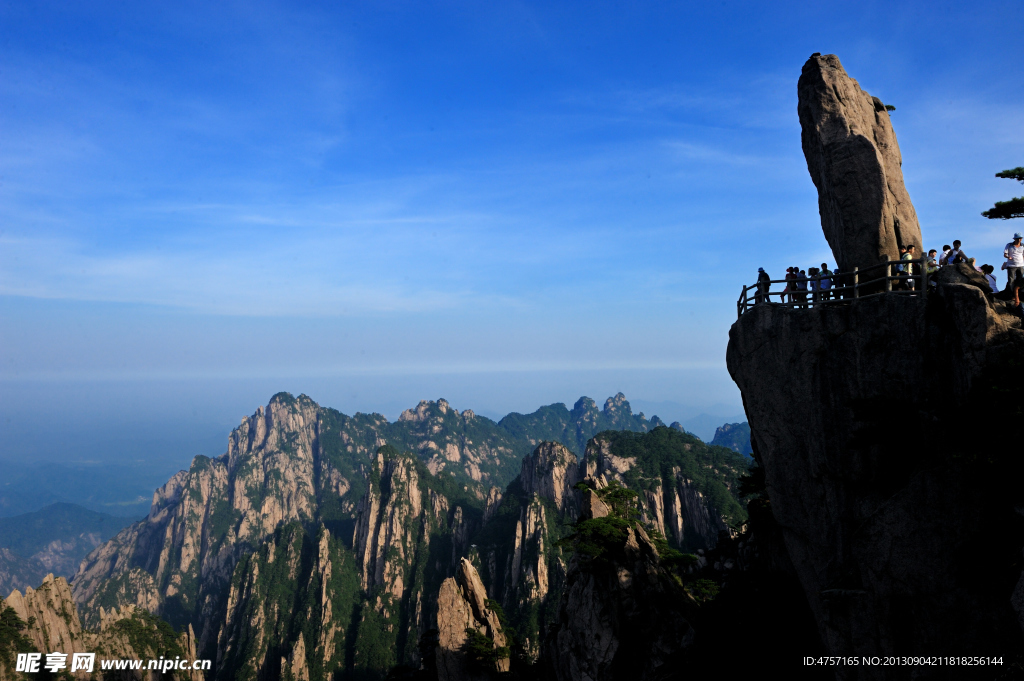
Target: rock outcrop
x: 880, y: 426
x: 369, y: 606
x: 51, y: 625
x: 621, y: 618
x: 178, y: 561
x: 855, y: 163
x: 673, y: 504
x: 462, y: 608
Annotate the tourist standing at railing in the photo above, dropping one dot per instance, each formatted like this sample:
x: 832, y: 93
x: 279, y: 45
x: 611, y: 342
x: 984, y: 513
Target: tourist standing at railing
x: 801, y: 287
x: 911, y: 269
x: 945, y: 255
x: 812, y: 276
x: 931, y: 267
x: 788, y: 293
x: 763, y: 284
x: 826, y: 281
x: 1014, y: 265
x: 905, y: 268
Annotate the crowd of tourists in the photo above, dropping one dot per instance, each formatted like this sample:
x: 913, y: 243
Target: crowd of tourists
x: 823, y: 284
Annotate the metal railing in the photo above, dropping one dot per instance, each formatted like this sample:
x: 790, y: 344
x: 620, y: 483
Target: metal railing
x: 910, y: 279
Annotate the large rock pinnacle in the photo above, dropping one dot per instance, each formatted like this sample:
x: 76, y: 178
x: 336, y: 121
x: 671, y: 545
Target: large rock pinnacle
x: 855, y: 163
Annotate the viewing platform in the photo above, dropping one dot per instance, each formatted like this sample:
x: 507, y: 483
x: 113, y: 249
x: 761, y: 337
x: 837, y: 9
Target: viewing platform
x: 905, y: 277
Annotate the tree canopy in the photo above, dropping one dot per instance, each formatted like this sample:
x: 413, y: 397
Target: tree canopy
x: 1014, y: 208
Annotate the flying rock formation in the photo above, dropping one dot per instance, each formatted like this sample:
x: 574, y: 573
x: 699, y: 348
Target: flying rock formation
x: 855, y: 163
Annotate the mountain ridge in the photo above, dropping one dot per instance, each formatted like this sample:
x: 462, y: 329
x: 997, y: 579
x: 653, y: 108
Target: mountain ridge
x: 334, y: 499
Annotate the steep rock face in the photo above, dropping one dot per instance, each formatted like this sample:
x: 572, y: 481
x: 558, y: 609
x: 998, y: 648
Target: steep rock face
x: 449, y: 440
x: 308, y: 606
x: 855, y: 163
x: 462, y: 607
x: 52, y: 609
x: 551, y: 472
x: 292, y: 461
x: 858, y: 415
x: 671, y: 500
x: 179, y: 560
x: 53, y: 626
x: 621, y: 618
x: 519, y: 556
x: 293, y: 583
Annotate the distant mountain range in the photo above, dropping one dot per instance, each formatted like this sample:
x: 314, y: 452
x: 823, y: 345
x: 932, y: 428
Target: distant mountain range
x: 735, y: 436
x: 125, y: 488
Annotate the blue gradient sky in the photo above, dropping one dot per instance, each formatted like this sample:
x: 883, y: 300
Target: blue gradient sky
x: 525, y: 201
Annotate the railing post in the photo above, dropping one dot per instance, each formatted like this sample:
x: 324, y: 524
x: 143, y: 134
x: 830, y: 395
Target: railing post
x: 888, y: 276
x: 924, y: 275
x: 856, y: 282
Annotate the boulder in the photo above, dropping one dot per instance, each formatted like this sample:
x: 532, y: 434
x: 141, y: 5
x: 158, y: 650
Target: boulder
x: 855, y: 163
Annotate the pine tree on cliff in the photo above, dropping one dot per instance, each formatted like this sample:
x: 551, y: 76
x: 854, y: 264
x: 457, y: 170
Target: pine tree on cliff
x: 1014, y: 208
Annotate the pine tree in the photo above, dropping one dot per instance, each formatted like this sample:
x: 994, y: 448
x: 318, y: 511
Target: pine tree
x: 1014, y: 208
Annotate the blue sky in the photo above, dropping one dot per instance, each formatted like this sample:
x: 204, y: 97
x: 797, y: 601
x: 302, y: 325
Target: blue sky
x: 507, y: 203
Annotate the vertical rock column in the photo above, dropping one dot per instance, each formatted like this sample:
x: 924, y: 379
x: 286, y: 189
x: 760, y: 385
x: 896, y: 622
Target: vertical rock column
x: 462, y: 607
x: 855, y: 163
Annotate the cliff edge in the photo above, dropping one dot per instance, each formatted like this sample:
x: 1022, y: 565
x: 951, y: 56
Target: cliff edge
x: 889, y: 434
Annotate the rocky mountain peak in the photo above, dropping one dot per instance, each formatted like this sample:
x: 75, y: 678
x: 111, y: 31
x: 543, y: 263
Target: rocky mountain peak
x: 855, y: 163
x: 617, y: 405
x: 425, y: 410
x: 551, y: 472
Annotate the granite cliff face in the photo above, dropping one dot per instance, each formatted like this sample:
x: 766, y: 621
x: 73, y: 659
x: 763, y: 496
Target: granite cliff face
x: 311, y: 605
x: 517, y: 550
x: 855, y: 163
x: 51, y: 624
x: 673, y: 489
x: 179, y: 560
x: 881, y: 429
x: 462, y: 608
x: 622, y: 618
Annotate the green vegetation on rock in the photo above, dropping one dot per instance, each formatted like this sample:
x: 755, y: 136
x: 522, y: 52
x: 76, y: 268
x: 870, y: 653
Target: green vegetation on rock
x: 12, y: 640
x: 664, y: 453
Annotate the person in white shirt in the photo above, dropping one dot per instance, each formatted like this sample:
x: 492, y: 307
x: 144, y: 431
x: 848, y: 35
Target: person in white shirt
x: 988, y: 270
x: 945, y: 255
x: 1014, y: 265
x: 954, y: 253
